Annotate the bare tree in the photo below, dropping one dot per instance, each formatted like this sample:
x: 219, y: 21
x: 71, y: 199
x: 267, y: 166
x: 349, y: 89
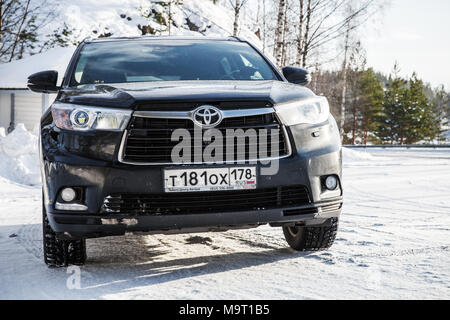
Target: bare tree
x: 306, y: 40
x: 278, y: 44
x: 264, y: 25
x: 318, y: 24
x: 285, y: 31
x: 355, y: 15
x: 1, y: 16
x: 300, y: 31
x: 26, y: 12
x: 344, y: 80
x: 20, y: 25
x: 352, y: 15
x: 237, y: 6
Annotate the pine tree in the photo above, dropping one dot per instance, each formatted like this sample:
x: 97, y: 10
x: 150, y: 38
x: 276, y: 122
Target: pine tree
x: 421, y: 116
x: 60, y: 37
x: 407, y: 115
x: 371, y: 102
x: 392, y: 120
x: 441, y: 105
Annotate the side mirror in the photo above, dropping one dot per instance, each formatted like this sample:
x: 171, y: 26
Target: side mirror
x: 297, y: 75
x: 44, y: 81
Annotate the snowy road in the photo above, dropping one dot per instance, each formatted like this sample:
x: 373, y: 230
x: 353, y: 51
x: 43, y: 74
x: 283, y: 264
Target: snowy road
x: 393, y: 242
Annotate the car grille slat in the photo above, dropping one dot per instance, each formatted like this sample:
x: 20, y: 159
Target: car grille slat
x: 194, y: 196
x: 206, y: 202
x: 191, y: 105
x: 148, y: 140
x: 138, y: 154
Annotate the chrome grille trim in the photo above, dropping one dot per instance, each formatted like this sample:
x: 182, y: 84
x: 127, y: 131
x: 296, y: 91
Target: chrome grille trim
x: 187, y: 115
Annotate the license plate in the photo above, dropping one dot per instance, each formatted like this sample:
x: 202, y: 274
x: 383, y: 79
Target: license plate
x: 211, y: 179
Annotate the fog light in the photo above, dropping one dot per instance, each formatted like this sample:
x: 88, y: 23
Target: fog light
x: 68, y: 194
x: 331, y: 183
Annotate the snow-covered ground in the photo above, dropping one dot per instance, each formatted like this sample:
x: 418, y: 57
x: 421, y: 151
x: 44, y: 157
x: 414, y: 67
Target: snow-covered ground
x: 393, y: 242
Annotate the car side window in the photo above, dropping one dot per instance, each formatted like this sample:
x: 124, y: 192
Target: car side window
x: 80, y: 68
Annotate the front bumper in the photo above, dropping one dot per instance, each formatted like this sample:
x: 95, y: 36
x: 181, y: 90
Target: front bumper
x: 91, y: 226
x: 314, y: 156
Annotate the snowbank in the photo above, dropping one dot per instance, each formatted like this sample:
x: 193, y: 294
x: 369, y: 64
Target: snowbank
x: 19, y: 160
x: 350, y: 155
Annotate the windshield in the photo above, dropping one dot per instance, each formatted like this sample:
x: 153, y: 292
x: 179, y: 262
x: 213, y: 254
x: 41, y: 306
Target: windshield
x: 162, y: 60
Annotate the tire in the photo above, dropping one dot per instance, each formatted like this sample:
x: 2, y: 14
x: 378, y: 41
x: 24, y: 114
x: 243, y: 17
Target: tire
x: 313, y: 238
x: 60, y: 253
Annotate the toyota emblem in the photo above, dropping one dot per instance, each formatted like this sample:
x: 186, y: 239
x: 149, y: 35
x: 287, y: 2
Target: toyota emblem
x: 207, y: 116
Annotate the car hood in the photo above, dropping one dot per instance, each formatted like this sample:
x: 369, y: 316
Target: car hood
x: 127, y: 95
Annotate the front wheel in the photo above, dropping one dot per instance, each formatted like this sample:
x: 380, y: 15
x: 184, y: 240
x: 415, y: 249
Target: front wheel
x: 60, y: 253
x: 312, y: 238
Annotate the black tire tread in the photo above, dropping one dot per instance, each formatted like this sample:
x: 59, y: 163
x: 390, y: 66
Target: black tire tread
x: 61, y: 253
x: 314, y: 238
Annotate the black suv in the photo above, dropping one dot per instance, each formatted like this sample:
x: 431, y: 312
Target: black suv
x: 174, y: 135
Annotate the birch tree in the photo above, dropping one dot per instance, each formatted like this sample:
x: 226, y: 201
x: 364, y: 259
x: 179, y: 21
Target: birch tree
x: 300, y: 31
x: 344, y: 82
x: 237, y: 6
x: 320, y: 22
x: 278, y: 41
x: 284, y: 36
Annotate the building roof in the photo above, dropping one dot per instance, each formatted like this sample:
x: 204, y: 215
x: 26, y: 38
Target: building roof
x: 14, y: 75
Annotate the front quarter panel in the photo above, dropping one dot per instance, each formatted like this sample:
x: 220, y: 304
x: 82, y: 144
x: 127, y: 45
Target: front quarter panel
x: 320, y: 148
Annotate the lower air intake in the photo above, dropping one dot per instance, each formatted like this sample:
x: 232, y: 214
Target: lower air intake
x: 205, y: 202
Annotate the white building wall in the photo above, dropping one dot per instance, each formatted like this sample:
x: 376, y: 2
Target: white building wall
x: 28, y: 109
x: 5, y: 109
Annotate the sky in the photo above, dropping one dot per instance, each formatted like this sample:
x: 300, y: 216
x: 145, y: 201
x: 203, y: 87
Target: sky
x: 416, y: 34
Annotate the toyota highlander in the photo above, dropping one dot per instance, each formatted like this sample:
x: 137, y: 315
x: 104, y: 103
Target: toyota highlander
x: 177, y: 135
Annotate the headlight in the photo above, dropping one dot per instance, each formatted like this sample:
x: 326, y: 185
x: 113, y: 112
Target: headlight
x: 312, y: 111
x: 83, y: 118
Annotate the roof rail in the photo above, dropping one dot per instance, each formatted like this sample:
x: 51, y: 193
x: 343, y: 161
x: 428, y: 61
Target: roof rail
x: 87, y: 39
x: 148, y: 37
x: 237, y: 38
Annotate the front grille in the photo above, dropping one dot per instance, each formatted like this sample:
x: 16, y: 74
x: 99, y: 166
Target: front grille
x: 188, y: 106
x: 205, y: 202
x: 148, y: 140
